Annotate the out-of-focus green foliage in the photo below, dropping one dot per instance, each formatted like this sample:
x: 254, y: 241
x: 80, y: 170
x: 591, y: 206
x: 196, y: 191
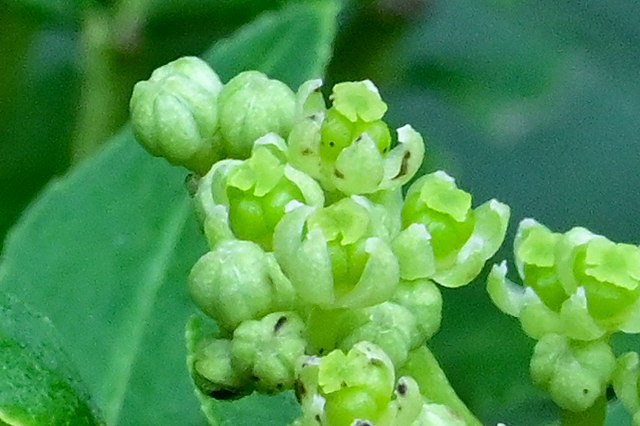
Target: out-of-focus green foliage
x: 531, y: 102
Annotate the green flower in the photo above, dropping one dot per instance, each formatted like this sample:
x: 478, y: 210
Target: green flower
x: 337, y: 256
x: 340, y: 388
x: 577, y: 284
x: 246, y: 199
x: 348, y: 147
x: 457, y: 240
x: 252, y: 105
x: 174, y: 114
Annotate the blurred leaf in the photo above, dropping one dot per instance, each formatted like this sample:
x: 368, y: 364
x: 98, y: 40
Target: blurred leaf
x: 105, y: 251
x: 38, y: 89
x: 617, y: 415
x: 38, y: 386
x: 536, y: 104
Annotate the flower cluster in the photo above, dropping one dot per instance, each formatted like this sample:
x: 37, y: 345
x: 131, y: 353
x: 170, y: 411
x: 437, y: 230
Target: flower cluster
x: 579, y: 288
x: 321, y: 274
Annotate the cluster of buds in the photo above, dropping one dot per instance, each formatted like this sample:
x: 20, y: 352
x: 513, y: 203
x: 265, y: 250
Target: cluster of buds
x: 578, y: 289
x: 321, y: 276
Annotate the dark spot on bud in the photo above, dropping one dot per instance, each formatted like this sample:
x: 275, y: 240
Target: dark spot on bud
x: 332, y: 144
x: 376, y: 362
x: 299, y: 390
x: 279, y: 386
x: 222, y: 394
x: 585, y: 391
x: 362, y: 423
x: 611, y: 394
x: 402, y: 388
x: 343, y: 384
x: 404, y: 165
x: 318, y: 419
x: 191, y: 181
x: 338, y: 174
x: 281, y: 321
x: 306, y: 151
x: 358, y: 139
x: 320, y: 351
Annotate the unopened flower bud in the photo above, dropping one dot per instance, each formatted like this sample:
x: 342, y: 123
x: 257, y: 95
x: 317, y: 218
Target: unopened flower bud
x: 252, y: 105
x: 268, y: 350
x: 174, y: 114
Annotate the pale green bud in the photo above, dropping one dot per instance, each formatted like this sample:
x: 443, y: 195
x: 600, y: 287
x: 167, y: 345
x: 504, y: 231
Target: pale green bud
x: 213, y: 371
x: 462, y: 238
x: 574, y: 373
x: 250, y: 106
x: 391, y: 327
x: 232, y: 283
x: 423, y: 299
x: 174, y: 114
x: 268, y: 350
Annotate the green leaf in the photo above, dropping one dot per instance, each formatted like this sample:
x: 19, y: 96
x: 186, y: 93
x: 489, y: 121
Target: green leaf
x: 105, y: 251
x: 38, y: 385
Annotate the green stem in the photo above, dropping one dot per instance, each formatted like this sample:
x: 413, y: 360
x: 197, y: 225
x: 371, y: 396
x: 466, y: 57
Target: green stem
x: 434, y: 385
x: 593, y: 416
x: 108, y: 39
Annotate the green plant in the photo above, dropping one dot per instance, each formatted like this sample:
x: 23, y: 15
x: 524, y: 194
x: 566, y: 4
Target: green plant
x: 132, y: 341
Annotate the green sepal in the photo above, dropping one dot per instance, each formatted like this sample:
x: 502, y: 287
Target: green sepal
x: 573, y: 319
x: 404, y: 160
x: 250, y: 106
x: 574, y: 373
x: 358, y: 168
x: 491, y: 221
x: 304, y: 147
x: 309, y: 99
x: 268, y: 350
x: 413, y: 249
x: 625, y: 381
x: 358, y: 101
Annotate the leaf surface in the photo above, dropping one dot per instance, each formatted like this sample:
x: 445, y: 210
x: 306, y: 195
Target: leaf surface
x: 105, y: 251
x: 38, y: 384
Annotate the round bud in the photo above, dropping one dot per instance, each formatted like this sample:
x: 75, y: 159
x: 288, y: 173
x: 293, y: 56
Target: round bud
x: 232, y: 284
x: 268, y: 350
x: 174, y: 114
x: 252, y: 105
